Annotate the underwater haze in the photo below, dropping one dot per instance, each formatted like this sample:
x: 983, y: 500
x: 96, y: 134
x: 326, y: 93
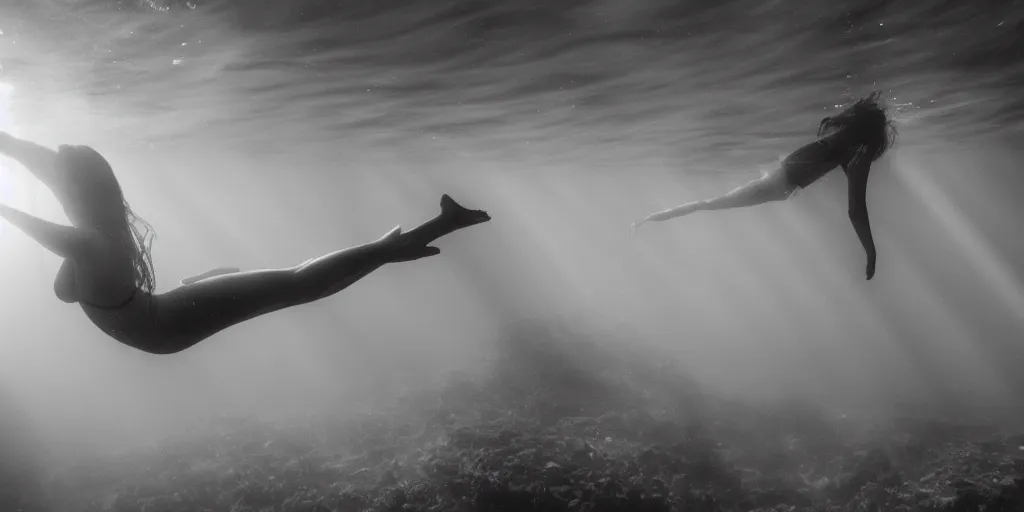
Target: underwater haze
x: 263, y: 133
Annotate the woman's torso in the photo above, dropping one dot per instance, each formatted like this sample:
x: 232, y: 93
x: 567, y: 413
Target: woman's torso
x: 813, y: 161
x: 105, y: 287
x: 104, y: 275
x: 110, y: 298
x: 131, y: 323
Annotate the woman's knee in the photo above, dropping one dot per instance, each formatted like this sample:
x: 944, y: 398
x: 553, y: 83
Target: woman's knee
x: 303, y: 283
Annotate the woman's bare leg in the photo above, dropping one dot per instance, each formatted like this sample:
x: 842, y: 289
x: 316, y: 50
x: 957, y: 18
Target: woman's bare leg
x: 760, y: 191
x: 191, y: 313
x: 219, y: 271
x: 417, y: 239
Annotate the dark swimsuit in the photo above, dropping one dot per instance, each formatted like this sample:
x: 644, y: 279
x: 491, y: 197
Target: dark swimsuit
x: 131, y: 297
x: 833, y: 153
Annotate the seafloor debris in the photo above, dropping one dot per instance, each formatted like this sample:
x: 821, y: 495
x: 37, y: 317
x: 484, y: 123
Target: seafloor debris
x: 560, y: 442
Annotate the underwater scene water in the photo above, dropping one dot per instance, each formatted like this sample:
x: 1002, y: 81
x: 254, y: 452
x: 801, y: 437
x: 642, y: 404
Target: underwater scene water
x: 546, y: 360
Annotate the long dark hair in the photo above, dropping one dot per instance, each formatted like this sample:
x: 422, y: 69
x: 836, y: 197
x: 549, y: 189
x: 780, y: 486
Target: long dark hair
x: 141, y: 236
x: 868, y: 124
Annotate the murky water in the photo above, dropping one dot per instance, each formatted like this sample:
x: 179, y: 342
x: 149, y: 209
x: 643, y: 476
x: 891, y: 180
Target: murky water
x: 579, y: 83
x: 241, y: 129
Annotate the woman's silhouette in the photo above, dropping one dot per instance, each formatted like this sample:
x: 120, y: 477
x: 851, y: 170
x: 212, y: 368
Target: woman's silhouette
x: 852, y: 140
x: 108, y: 271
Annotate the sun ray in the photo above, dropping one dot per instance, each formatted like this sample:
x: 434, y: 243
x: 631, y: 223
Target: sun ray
x: 7, y: 189
x: 989, y: 264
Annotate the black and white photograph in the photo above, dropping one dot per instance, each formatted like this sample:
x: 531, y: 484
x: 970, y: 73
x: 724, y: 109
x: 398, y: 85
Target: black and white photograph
x: 511, y: 255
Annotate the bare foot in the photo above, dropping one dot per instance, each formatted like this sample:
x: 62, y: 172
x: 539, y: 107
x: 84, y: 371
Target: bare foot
x: 459, y: 215
x: 415, y: 244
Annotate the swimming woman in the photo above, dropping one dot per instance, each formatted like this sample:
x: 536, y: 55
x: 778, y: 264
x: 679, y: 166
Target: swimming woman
x: 852, y: 140
x: 108, y: 271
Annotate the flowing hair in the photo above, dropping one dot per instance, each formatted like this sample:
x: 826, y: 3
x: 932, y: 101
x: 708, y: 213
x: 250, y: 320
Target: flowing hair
x: 141, y: 236
x: 868, y: 123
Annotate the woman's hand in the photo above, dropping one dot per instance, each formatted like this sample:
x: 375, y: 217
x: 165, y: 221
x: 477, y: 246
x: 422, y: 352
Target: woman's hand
x: 636, y: 225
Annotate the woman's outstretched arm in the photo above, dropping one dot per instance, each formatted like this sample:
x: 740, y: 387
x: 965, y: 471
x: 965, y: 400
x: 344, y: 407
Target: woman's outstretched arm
x: 64, y: 241
x: 857, y: 183
x: 41, y: 161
